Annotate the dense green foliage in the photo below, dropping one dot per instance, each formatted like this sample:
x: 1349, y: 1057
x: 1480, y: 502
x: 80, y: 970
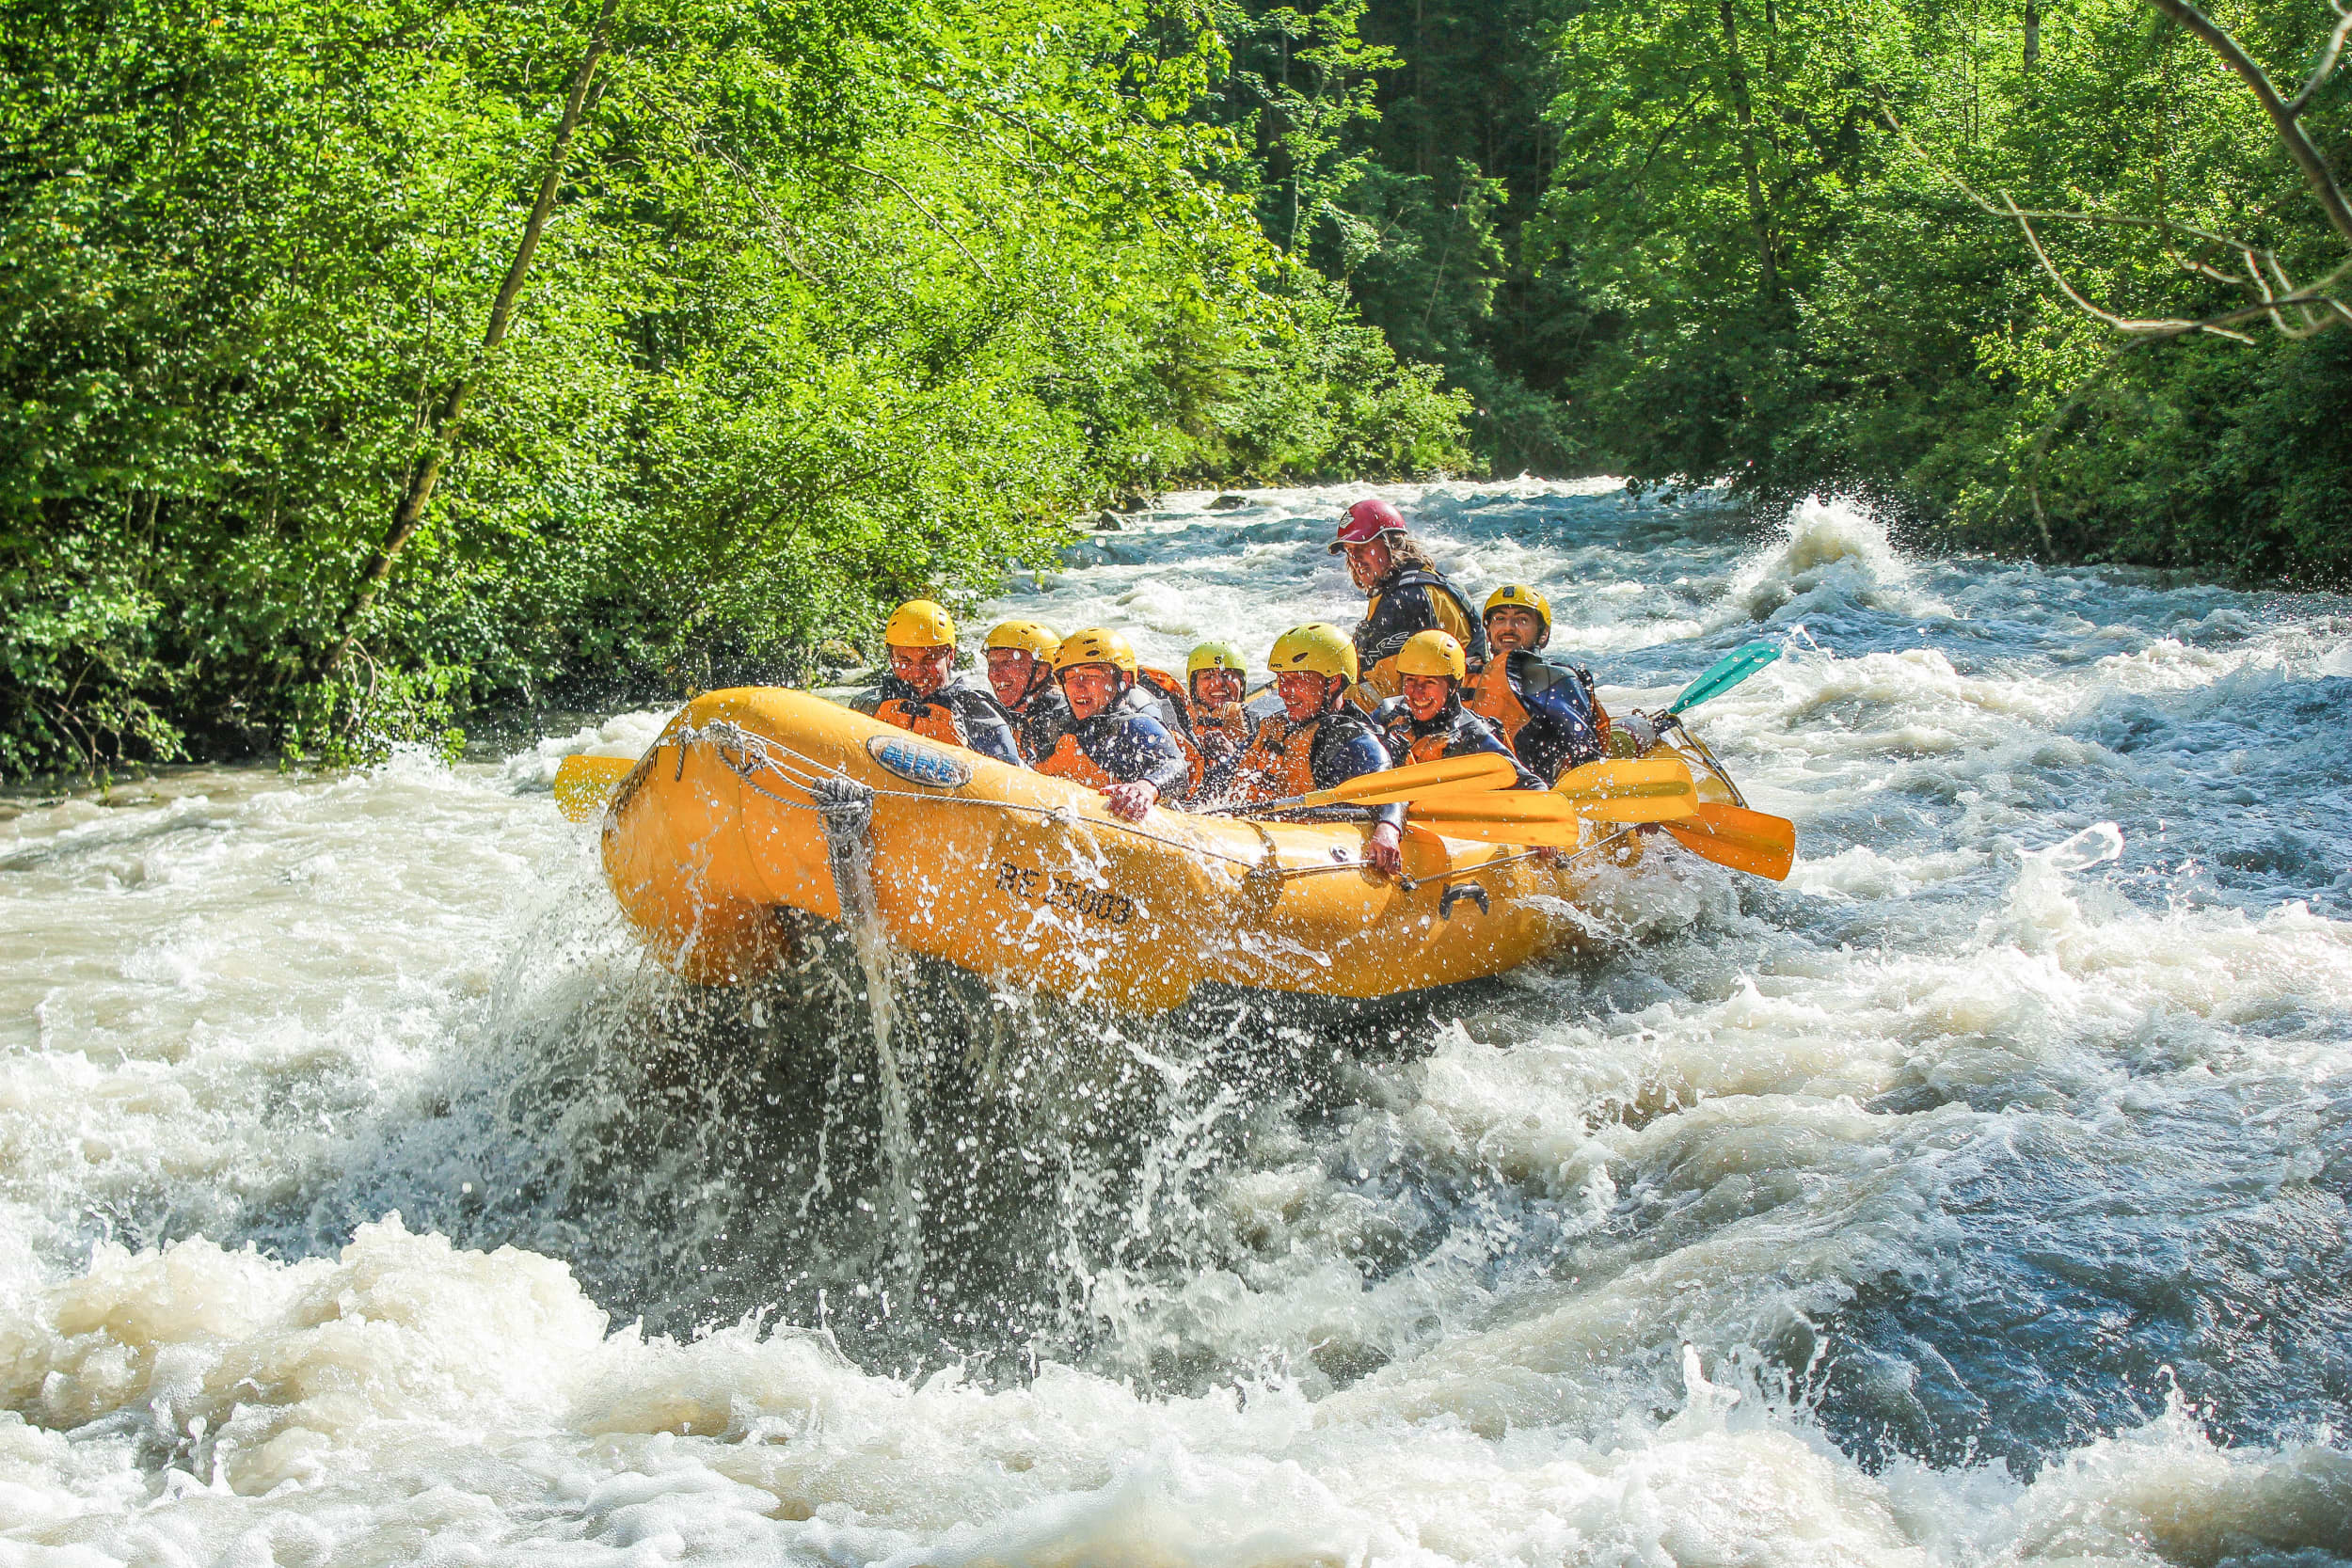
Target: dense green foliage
x: 1711, y: 241
x: 834, y: 301
x: 311, y: 432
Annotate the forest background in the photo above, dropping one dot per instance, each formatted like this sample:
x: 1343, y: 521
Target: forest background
x: 370, y: 365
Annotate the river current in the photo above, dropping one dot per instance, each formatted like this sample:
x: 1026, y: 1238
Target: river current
x: 1976, y: 1195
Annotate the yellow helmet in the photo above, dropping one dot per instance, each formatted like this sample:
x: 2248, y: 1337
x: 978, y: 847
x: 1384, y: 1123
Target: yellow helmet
x: 920, y: 624
x: 1214, y: 656
x: 1094, y: 645
x: 1036, y: 641
x: 1523, y: 597
x: 1431, y: 653
x: 1318, y: 647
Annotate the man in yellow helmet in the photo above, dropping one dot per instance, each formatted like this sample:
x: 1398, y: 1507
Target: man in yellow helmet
x: 1405, y: 591
x: 1215, y: 680
x: 1113, y: 739
x: 1318, y: 739
x: 1550, y: 717
x: 923, y: 693
x: 1020, y: 658
x: 1426, y: 720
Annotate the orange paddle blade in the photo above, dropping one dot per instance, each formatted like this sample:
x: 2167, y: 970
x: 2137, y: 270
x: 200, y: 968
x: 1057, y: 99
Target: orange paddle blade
x: 583, y: 784
x: 1751, y: 841
x: 1656, y: 789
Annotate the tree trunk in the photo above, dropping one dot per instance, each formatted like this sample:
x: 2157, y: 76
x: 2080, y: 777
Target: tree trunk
x: 1760, y: 217
x: 448, y: 416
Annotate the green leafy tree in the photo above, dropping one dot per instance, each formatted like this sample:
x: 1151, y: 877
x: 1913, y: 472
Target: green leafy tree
x: 368, y: 363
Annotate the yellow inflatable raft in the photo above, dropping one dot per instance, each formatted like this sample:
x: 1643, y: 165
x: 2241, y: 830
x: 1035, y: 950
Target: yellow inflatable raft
x: 757, y: 800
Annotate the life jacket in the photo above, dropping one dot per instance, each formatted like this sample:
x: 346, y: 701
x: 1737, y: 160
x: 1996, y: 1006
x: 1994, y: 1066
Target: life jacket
x: 955, y: 715
x: 1039, y: 721
x: 1455, y: 732
x: 1066, y: 760
x: 1493, y: 696
x: 1126, y: 743
x: 1177, y: 719
x: 929, y: 719
x: 1222, y: 731
x: 1284, y: 760
x: 1406, y: 603
x: 1550, y: 716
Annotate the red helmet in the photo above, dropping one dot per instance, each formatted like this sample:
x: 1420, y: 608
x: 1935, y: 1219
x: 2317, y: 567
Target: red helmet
x: 1366, y: 522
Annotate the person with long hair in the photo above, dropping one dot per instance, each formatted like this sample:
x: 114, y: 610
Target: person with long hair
x: 1407, y: 594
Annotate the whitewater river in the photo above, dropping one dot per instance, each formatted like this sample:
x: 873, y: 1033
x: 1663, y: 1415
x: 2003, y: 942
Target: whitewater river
x: 1978, y: 1196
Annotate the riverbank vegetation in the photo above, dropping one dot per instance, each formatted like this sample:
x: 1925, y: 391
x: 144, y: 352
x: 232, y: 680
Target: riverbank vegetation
x: 364, y: 364
x: 1765, y: 242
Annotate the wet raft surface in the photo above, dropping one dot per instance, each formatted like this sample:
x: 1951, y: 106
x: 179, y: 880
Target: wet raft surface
x: 1999, y: 1171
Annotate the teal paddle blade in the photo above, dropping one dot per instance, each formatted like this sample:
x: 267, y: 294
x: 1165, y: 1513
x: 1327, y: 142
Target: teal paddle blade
x: 1728, y: 672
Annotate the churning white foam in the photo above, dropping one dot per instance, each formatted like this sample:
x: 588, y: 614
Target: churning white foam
x: 1444, y: 1322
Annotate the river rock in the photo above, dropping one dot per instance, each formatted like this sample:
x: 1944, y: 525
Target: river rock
x: 834, y: 654
x: 1227, y: 502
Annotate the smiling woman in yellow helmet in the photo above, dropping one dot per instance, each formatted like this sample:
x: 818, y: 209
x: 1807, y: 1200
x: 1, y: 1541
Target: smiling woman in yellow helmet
x: 1020, y: 660
x: 1113, y: 738
x: 923, y: 693
x: 1427, y: 721
x: 1318, y: 739
x: 1217, y: 677
x: 1550, y: 717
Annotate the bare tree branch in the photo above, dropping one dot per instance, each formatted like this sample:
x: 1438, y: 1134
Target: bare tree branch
x: 2283, y: 118
x: 2328, y: 57
x: 913, y: 201
x: 448, y: 421
x: 2136, y: 329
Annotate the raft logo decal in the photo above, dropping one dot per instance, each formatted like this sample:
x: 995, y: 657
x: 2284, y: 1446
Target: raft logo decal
x: 918, y: 763
x: 1064, y: 893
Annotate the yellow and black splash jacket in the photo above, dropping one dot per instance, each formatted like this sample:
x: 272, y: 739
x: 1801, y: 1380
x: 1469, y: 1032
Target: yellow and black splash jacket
x: 957, y: 714
x: 1550, y: 717
x: 759, y: 810
x: 1285, y: 760
x: 1126, y: 743
x: 1453, y: 731
x: 1408, y: 602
